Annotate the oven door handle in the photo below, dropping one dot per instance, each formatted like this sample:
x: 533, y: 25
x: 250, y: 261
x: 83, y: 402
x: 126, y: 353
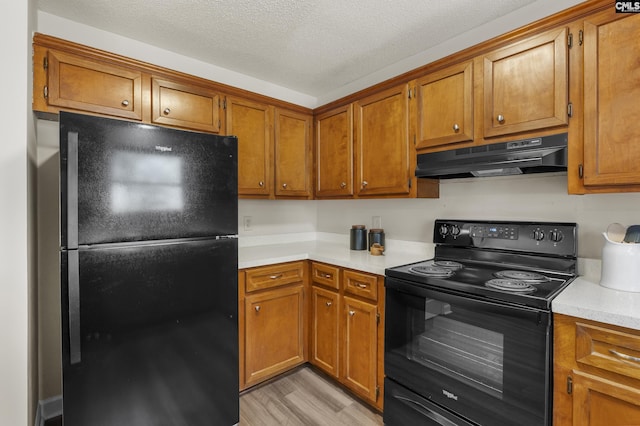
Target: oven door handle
x: 464, y: 300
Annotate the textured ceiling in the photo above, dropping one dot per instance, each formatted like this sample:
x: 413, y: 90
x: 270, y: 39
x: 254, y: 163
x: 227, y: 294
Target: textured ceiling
x: 312, y: 47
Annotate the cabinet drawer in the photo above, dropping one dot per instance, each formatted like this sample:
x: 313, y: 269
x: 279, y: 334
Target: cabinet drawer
x: 326, y: 275
x: 608, y: 349
x: 274, y: 276
x: 360, y: 284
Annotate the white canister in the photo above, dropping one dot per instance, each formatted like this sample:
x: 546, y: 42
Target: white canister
x: 620, y: 266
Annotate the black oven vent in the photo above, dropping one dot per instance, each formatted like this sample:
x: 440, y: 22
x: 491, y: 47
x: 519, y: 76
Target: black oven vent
x: 534, y: 155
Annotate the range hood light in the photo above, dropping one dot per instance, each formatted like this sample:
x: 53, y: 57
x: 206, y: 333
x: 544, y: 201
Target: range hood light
x: 508, y: 171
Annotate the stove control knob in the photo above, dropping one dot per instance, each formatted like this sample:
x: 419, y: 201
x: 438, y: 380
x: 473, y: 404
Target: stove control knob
x: 538, y: 234
x: 555, y: 236
x: 455, y: 231
x: 444, y: 230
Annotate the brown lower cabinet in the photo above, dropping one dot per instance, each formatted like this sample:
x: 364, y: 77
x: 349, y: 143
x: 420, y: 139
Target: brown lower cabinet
x: 596, y: 373
x: 272, y: 320
x: 346, y: 329
x: 294, y: 312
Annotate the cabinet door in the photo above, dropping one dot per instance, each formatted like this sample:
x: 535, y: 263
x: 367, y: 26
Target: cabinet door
x: 601, y: 402
x: 611, y: 93
x: 252, y: 123
x: 525, y: 85
x: 274, y: 338
x: 334, y: 153
x: 360, y: 347
x: 445, y: 106
x: 184, y: 105
x: 293, y: 154
x: 324, y: 332
x: 382, y: 143
x: 86, y: 85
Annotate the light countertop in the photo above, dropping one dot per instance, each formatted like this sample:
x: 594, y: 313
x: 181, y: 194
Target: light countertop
x: 586, y: 298
x: 583, y: 298
x: 333, y: 249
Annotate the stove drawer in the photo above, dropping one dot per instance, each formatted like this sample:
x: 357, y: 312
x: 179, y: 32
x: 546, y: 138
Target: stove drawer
x: 608, y: 349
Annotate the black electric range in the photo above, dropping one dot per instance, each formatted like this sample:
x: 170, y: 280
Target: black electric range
x: 525, y: 263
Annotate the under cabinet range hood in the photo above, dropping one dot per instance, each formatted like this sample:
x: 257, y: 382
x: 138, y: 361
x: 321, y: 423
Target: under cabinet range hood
x: 534, y: 155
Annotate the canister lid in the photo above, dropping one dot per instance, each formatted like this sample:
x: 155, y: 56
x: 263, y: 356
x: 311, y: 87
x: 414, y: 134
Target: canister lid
x: 358, y: 227
x: 376, y: 231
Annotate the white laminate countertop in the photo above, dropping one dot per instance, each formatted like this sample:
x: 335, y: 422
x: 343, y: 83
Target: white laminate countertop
x: 586, y: 298
x: 583, y: 298
x: 333, y: 250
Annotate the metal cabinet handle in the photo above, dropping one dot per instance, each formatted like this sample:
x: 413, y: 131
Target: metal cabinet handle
x: 343, y: 185
x: 284, y: 185
x: 275, y: 277
x: 500, y: 118
x: 166, y: 111
x: 329, y: 303
x: 125, y: 103
x: 456, y: 127
x: 261, y: 184
x: 364, y: 184
x: 325, y: 275
x: 257, y: 308
x: 625, y: 356
x: 352, y: 313
x: 361, y: 285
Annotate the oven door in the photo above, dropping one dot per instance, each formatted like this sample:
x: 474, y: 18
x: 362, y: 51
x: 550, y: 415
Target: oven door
x: 487, y: 362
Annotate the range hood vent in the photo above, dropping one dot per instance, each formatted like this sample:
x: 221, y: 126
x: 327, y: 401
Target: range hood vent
x: 536, y: 155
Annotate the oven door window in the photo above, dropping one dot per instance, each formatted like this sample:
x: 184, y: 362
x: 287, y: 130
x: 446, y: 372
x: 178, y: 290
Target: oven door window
x: 485, y: 361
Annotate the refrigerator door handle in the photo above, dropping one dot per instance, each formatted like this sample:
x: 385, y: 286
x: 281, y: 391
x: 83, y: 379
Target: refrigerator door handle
x: 73, y: 278
x: 72, y: 190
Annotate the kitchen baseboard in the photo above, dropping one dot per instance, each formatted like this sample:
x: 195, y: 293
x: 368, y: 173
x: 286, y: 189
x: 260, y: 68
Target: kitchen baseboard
x: 48, y: 409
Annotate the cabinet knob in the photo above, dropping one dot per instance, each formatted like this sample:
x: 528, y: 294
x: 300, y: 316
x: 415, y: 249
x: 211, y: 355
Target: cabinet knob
x: 343, y: 185
x: 325, y: 275
x: 257, y: 308
x: 261, y: 184
x: 125, y: 103
x: 284, y: 185
x: 456, y: 127
x: 166, y: 111
x: 275, y: 277
x: 352, y: 313
x: 328, y: 303
x: 364, y: 184
x: 500, y: 118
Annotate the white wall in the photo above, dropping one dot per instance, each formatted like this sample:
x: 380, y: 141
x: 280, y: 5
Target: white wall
x: 532, y: 197
x: 17, y: 133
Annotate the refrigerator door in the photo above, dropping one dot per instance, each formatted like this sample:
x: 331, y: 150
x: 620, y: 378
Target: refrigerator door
x: 150, y: 334
x: 123, y: 181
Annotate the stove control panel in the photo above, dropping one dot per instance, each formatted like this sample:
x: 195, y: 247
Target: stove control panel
x: 556, y: 238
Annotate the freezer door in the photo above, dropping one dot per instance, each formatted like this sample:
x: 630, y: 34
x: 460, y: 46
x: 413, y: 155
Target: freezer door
x: 125, y: 181
x: 150, y: 334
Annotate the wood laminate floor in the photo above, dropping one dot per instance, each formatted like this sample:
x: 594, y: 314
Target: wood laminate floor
x: 301, y: 397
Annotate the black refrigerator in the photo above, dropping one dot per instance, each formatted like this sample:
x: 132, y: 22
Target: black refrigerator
x: 148, y: 274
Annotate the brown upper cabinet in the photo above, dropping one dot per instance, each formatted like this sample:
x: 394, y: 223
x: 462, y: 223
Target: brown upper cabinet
x: 252, y: 123
x: 445, y: 106
x: 334, y: 153
x: 293, y: 165
x: 526, y: 85
x: 77, y: 83
x: 383, y: 165
x: 185, y: 105
x: 611, y: 101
